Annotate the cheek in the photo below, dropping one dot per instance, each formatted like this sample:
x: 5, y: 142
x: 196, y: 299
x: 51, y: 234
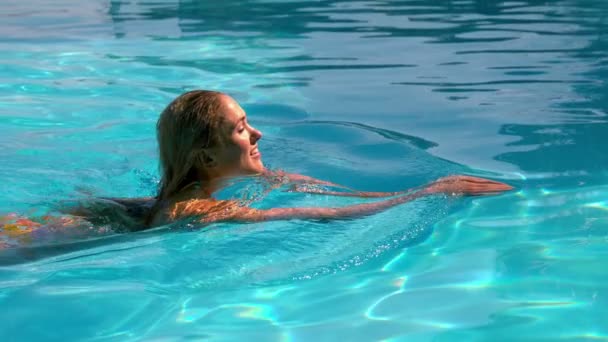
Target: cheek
x: 230, y: 154
x: 239, y: 149
x: 245, y: 148
x: 236, y: 153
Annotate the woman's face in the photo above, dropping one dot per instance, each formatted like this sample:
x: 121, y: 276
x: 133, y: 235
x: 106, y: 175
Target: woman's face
x: 239, y: 153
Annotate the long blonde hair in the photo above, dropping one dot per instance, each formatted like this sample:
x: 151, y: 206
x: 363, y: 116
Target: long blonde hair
x: 188, y: 124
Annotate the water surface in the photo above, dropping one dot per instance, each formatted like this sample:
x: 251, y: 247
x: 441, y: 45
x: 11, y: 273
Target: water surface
x: 376, y: 95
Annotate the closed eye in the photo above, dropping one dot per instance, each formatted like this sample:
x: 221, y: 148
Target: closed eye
x: 240, y: 127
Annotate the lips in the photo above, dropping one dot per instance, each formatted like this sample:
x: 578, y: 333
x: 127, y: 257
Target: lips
x: 255, y: 153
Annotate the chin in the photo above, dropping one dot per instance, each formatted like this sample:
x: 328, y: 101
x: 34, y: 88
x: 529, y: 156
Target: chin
x: 258, y: 167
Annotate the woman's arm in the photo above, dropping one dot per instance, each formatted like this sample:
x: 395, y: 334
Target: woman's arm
x: 353, y: 211
x: 451, y: 185
x: 312, y: 189
x: 285, y: 177
x: 306, y: 184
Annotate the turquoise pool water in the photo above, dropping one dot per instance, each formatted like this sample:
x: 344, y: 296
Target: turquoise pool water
x: 377, y: 95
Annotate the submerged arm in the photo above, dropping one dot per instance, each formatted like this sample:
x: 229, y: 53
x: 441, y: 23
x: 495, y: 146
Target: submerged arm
x: 308, y: 189
x: 284, y: 177
x: 230, y: 211
x: 353, y: 211
x: 306, y: 184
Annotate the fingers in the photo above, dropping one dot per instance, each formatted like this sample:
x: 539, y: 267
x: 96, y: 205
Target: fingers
x: 469, y: 185
x: 486, y: 187
x: 474, y: 180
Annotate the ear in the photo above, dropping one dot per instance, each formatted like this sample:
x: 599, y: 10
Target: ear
x: 206, y: 159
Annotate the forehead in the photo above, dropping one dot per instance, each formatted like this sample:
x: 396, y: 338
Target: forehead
x: 231, y: 110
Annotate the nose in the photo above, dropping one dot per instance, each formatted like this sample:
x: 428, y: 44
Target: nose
x: 255, y: 135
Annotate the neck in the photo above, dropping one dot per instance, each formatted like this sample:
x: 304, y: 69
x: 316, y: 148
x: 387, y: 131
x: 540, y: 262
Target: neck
x: 209, y: 182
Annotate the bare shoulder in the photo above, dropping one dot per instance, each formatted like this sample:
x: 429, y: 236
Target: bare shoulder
x: 206, y: 209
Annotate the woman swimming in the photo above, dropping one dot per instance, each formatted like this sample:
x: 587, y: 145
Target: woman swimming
x: 204, y: 140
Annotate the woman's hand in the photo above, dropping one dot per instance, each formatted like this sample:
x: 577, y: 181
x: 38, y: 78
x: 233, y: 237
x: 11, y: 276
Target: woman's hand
x: 466, y: 185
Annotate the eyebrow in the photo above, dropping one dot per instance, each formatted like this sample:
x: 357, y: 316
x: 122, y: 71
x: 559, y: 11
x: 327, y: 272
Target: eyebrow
x: 241, y: 119
x: 238, y: 121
